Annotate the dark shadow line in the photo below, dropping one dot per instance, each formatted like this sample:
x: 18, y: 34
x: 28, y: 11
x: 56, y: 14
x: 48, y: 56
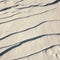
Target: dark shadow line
x: 8, y: 8
x: 31, y: 5
x: 56, y: 1
x: 25, y: 41
x: 16, y: 19
x: 26, y: 29
x: 19, y: 8
x: 32, y: 54
x: 40, y: 5
x: 19, y: 1
x: 28, y: 7
x: 8, y: 46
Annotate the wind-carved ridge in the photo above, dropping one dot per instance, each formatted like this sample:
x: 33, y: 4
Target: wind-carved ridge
x: 16, y: 19
x: 27, y: 7
x: 8, y: 8
x: 13, y: 46
x: 35, y: 53
x: 26, y: 29
x: 56, y: 1
x: 25, y: 41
